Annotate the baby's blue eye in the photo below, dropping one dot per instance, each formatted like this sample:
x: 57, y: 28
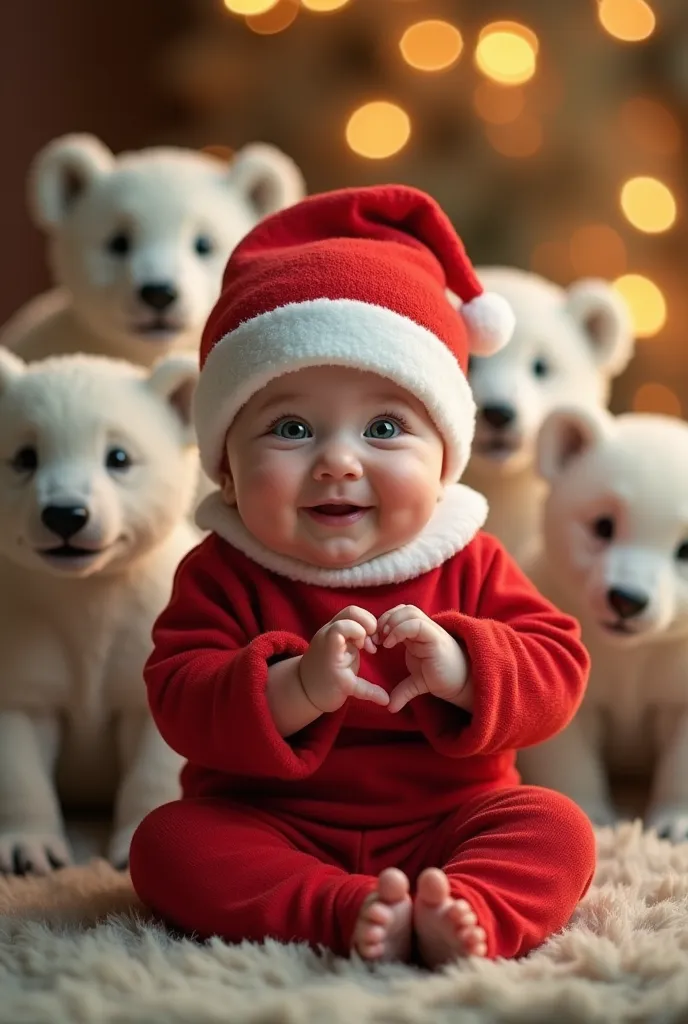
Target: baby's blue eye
x: 292, y: 430
x: 382, y: 429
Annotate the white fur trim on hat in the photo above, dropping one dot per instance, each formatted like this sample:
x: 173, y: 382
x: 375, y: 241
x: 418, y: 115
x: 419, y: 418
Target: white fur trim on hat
x: 333, y: 332
x: 490, y: 322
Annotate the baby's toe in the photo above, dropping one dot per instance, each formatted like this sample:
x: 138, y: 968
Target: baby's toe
x: 461, y: 915
x: 378, y: 914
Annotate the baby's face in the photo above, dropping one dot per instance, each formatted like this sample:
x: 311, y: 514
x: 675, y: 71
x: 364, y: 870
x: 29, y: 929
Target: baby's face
x: 333, y: 466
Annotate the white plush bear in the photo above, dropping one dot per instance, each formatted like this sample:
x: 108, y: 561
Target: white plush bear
x: 615, y: 555
x: 138, y: 243
x: 97, y: 471
x: 567, y: 346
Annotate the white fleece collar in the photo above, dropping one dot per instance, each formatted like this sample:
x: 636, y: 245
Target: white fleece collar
x: 456, y: 520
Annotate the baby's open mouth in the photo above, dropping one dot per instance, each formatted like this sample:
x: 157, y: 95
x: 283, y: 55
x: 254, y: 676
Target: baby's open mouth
x: 335, y: 512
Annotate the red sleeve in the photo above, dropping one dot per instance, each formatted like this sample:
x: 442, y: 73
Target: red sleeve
x: 528, y: 666
x: 207, y: 676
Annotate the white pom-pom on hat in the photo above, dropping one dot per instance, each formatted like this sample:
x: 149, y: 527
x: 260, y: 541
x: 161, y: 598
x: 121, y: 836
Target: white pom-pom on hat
x: 489, y: 321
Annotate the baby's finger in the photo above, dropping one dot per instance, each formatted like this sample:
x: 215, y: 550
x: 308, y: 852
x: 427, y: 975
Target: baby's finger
x: 403, y: 692
x: 385, y: 618
x: 346, y: 631
x: 363, y: 690
x: 418, y: 630
x: 401, y: 614
x: 357, y: 614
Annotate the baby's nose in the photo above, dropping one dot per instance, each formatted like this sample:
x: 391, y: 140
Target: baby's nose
x: 338, y: 461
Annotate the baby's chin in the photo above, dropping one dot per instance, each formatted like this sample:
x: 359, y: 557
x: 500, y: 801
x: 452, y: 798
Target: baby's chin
x: 344, y: 556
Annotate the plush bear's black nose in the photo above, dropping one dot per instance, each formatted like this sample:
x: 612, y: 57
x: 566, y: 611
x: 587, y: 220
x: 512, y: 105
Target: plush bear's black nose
x: 498, y: 416
x: 627, y: 603
x: 158, y: 295
x: 64, y: 520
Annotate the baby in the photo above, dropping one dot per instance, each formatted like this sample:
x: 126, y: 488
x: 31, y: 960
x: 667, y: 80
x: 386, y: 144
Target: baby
x: 347, y: 662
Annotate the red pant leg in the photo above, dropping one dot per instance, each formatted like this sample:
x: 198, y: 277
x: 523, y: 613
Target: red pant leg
x: 523, y: 858
x: 213, y: 867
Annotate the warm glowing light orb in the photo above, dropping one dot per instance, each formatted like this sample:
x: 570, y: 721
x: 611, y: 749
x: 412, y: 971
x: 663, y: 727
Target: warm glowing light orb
x: 631, y: 21
x: 507, y: 52
x: 648, y: 204
x: 645, y: 301
x: 249, y: 6
x: 324, y: 6
x: 378, y: 130
x: 431, y: 45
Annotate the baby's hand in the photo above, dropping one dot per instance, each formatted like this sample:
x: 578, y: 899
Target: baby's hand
x: 435, y: 661
x: 329, y: 668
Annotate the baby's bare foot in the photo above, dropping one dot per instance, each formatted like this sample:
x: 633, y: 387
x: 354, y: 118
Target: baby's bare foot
x: 383, y: 929
x: 445, y: 928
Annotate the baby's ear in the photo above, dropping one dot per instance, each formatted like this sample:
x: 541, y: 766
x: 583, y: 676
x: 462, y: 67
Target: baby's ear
x: 227, y: 488
x: 565, y: 435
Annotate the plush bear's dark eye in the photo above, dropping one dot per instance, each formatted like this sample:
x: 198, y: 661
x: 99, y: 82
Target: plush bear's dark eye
x: 603, y: 527
x: 204, y: 246
x: 541, y: 367
x: 682, y: 551
x: 25, y: 460
x: 119, y: 244
x: 117, y: 458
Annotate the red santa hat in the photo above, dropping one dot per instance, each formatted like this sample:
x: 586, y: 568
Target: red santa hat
x: 359, y: 278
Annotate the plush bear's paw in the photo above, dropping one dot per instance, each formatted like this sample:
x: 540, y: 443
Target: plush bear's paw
x: 27, y: 853
x: 118, y: 848
x: 669, y: 823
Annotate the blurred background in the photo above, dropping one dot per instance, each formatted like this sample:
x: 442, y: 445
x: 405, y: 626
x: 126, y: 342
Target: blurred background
x: 552, y: 131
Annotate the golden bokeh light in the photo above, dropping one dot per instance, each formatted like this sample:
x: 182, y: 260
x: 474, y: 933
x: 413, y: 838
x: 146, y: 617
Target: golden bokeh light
x: 249, y: 6
x: 597, y: 250
x: 324, y: 6
x: 648, y: 204
x: 498, y: 104
x: 377, y: 130
x: 275, y: 20
x: 645, y: 301
x: 657, y: 398
x: 431, y: 45
x: 519, y: 138
x: 631, y: 21
x: 650, y: 125
x: 507, y: 52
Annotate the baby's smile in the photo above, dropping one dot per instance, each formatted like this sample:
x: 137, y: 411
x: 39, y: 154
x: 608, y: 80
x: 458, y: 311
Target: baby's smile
x: 337, y: 513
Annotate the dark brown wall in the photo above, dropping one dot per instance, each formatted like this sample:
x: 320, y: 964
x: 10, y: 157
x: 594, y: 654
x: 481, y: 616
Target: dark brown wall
x: 72, y: 65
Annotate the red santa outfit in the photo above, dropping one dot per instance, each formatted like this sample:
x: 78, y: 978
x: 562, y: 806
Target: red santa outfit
x: 285, y: 837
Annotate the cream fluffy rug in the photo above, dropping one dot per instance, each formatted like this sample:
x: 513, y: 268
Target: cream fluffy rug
x: 623, y: 958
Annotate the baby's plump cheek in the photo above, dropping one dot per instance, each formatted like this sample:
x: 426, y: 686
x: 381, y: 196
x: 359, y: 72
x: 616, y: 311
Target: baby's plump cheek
x: 264, y: 479
x: 406, y: 508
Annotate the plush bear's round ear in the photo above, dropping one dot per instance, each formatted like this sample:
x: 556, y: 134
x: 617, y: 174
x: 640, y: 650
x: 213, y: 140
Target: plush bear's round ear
x: 603, y: 316
x: 566, y: 434
x: 174, y: 379
x: 11, y: 366
x: 268, y: 179
x: 61, y: 172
